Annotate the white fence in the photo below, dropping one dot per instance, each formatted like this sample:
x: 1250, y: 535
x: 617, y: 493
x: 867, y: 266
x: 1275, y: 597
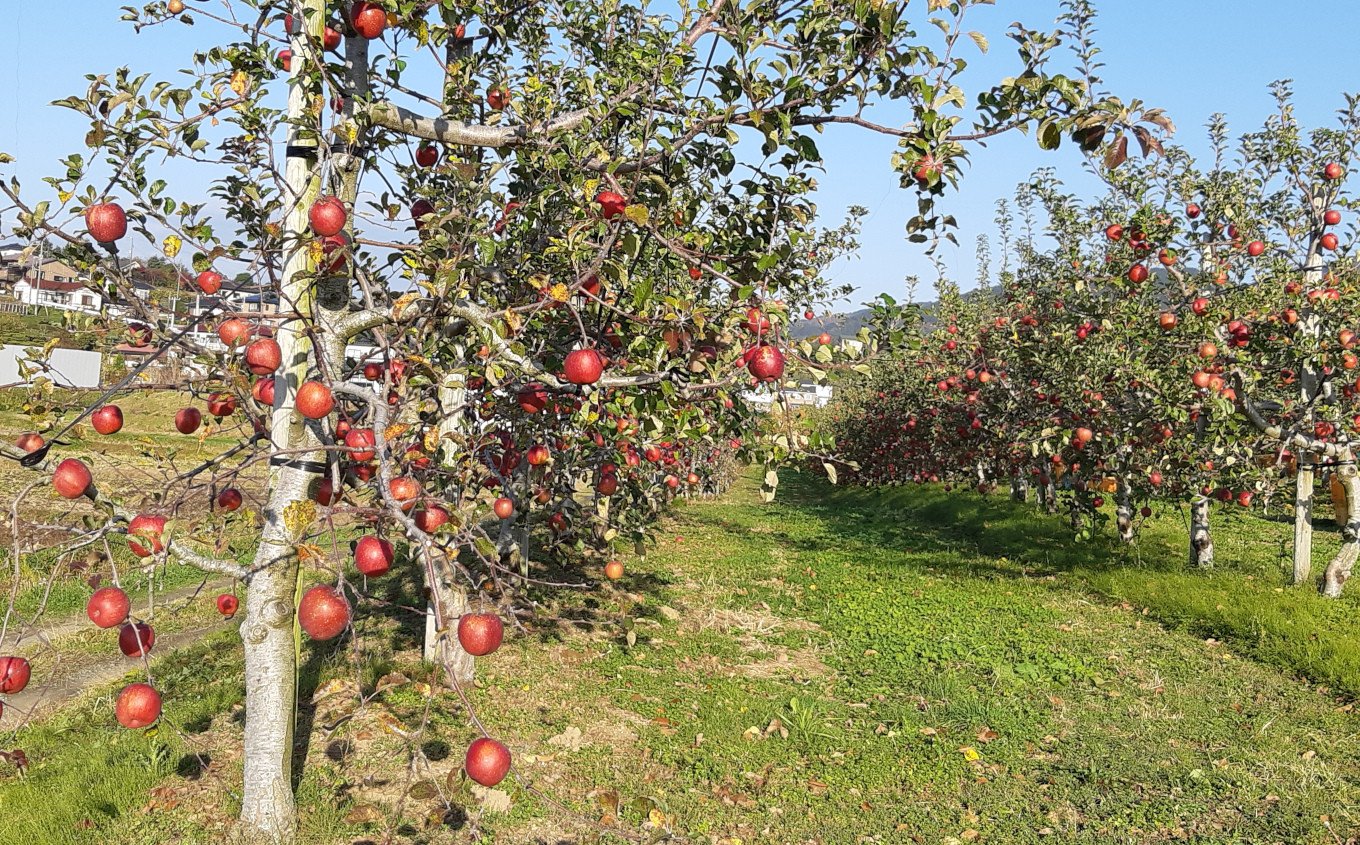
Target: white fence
x: 65, y: 367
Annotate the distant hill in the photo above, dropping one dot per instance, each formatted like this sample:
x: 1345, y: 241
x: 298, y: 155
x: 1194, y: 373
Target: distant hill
x: 847, y: 325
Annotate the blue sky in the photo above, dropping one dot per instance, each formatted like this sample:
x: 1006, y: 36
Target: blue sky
x: 1191, y: 57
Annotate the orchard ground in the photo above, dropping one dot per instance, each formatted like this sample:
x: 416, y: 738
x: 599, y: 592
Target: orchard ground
x: 842, y: 666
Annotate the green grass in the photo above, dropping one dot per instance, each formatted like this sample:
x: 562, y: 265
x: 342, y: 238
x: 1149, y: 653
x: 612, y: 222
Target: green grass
x: 87, y: 774
x: 38, y: 329
x: 1245, y: 600
x: 843, y: 666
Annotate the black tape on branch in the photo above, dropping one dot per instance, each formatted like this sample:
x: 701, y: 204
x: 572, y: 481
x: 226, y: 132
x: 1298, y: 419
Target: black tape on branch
x: 1325, y: 464
x: 313, y: 467
x: 301, y: 150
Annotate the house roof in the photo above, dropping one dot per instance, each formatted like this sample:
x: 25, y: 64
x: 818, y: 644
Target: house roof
x: 63, y: 287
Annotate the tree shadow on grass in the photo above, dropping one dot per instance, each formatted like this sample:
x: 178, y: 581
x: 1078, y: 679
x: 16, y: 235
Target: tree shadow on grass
x: 992, y: 535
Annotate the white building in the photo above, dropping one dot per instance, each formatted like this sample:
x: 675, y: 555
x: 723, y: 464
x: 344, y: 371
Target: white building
x: 803, y: 395
x: 65, y: 295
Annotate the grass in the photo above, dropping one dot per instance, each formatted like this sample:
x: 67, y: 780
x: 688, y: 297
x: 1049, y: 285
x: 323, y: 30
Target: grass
x: 133, y: 465
x: 843, y: 666
x: 39, y: 329
x: 1245, y: 600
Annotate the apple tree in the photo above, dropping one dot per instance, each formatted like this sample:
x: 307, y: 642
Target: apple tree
x: 568, y: 238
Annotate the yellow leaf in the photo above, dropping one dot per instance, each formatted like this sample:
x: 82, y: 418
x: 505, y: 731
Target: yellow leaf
x: 969, y: 753
x: 171, y: 246
x: 637, y: 213
x: 392, y: 432
x: 402, y: 301
x: 240, y: 82
x: 64, y: 195
x: 559, y: 292
x: 298, y: 516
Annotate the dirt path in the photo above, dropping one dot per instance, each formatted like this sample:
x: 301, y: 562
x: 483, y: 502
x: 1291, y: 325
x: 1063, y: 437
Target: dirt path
x: 65, y: 670
x: 44, y: 635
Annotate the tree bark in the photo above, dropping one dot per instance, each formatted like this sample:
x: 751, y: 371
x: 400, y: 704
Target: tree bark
x: 1303, y: 520
x: 448, y: 597
x: 1309, y: 387
x: 441, y: 640
x: 1019, y: 489
x: 1201, y: 540
x: 1123, y: 510
x: 1048, y: 494
x: 1339, y: 569
x: 268, y: 810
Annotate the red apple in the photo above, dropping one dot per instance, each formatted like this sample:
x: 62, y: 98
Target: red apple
x: 480, y: 633
x: 504, y: 508
x: 136, y: 639
x: 229, y: 499
x: 428, y: 518
x: 1331, y: 217
x: 334, y: 254
x: 14, y: 675
x: 328, y: 216
x: 325, y: 493
x: 373, y: 556
x: 538, y: 455
x: 227, y: 605
x: 107, y: 420
x: 314, y: 400
x: 611, y: 204
x: 148, y: 527
x: 323, y: 613
x: 233, y: 331
x: 139, y: 705
x: 420, y: 209
x: 209, y: 281
x: 405, y: 490
x: 497, y: 98
x: 330, y: 38
x: 285, y: 59
x: 361, y: 443
x: 30, y: 442
x: 613, y: 570
x: 765, y: 362
x: 583, y: 366
x: 427, y: 155
x: 368, y: 19
x: 1255, y: 248
x: 1333, y: 172
x: 487, y: 761
x: 221, y: 404
x: 263, y: 391
x: 532, y: 398
x: 1114, y: 231
x: 108, y: 606
x: 187, y: 420
x: 71, y: 478
x: 106, y: 222
x: 264, y: 356
x: 1138, y: 274
x: 1329, y: 241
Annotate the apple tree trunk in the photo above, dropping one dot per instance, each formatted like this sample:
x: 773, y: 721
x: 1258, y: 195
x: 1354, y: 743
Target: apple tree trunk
x: 1339, y: 569
x: 1123, y: 510
x: 1303, y: 520
x: 1201, y: 541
